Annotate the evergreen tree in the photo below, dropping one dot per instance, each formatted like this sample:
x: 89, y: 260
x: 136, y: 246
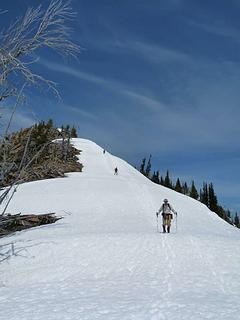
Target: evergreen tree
x: 185, y: 189
x: 236, y: 220
x: 212, y: 198
x: 62, y: 131
x: 167, y: 181
x: 73, y: 132
x: 193, y: 192
x: 142, y: 167
x: 162, y: 181
x: 149, y: 166
x: 204, y: 197
x: 223, y: 214
x: 229, y: 214
x: 67, y: 130
x: 178, y: 186
x: 158, y: 177
x: 155, y: 177
x: 49, y: 123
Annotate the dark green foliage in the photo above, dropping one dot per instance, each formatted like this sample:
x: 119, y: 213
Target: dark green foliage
x: 193, y: 192
x: 222, y: 213
x: 209, y: 198
x: 155, y: 177
x: 149, y: 166
x: 40, y: 133
x: 185, y: 189
x: 158, y: 177
x: 212, y: 198
x: 162, y: 181
x: 229, y: 214
x: 207, y: 194
x: 73, y: 132
x: 142, y: 167
x: 50, y: 123
x: 34, y: 150
x: 167, y: 181
x: 178, y: 186
x: 204, y: 198
x: 236, y: 220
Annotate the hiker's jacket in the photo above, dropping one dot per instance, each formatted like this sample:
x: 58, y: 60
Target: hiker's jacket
x: 166, y: 209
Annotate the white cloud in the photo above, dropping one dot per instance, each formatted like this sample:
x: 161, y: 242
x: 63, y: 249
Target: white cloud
x: 217, y: 28
x: 20, y: 119
x: 198, y: 116
x: 73, y: 72
x: 81, y: 112
x: 154, y: 53
x: 119, y: 88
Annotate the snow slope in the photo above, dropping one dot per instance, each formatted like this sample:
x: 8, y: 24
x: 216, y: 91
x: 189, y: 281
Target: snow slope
x: 105, y: 260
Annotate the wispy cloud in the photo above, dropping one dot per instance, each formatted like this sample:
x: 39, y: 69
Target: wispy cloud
x: 196, y: 126
x: 20, y: 119
x: 217, y: 28
x: 109, y: 84
x: 73, y: 72
x: 154, y: 53
x: 81, y: 112
x: 150, y: 52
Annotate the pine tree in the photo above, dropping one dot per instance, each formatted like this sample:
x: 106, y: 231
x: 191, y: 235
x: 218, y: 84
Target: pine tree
x: 185, y: 189
x: 73, y: 132
x: 155, y: 177
x: 223, y: 214
x: 178, y: 186
x: 229, y: 214
x: 213, y: 202
x: 149, y: 166
x: 162, y: 181
x: 193, y: 192
x: 236, y: 220
x: 204, y: 197
x: 142, y: 167
x: 67, y: 130
x: 167, y: 181
x: 49, y: 123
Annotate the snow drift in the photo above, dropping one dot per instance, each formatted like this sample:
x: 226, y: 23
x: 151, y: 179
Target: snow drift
x: 105, y: 260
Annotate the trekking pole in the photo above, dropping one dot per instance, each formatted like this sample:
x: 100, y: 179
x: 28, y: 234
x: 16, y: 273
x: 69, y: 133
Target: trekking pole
x: 176, y: 224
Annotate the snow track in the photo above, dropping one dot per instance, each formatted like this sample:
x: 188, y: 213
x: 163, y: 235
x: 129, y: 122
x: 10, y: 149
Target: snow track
x: 106, y: 261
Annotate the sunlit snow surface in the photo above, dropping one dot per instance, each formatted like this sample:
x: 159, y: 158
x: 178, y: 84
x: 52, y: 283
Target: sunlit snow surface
x: 105, y: 259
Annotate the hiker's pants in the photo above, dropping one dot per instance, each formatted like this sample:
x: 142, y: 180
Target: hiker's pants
x: 167, y: 220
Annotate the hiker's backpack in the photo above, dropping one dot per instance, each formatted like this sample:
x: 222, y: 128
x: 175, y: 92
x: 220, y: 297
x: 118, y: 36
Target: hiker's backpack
x: 164, y: 214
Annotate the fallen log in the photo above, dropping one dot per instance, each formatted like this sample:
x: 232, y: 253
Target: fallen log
x: 11, y: 223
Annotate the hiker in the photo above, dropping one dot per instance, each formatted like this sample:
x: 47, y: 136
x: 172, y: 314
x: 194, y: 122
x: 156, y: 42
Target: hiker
x: 116, y: 171
x: 104, y: 151
x: 166, y: 209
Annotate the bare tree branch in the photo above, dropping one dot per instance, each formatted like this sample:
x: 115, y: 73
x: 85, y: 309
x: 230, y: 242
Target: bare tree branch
x: 13, y: 187
x: 36, y: 29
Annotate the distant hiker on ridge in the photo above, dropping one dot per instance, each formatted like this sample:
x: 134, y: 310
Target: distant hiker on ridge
x: 166, y: 209
x: 116, y: 171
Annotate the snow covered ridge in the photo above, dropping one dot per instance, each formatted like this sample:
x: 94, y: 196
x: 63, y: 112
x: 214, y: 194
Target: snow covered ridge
x: 112, y: 203
x: 106, y: 261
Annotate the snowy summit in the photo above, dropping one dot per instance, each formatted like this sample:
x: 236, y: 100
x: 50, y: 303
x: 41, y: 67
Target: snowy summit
x: 106, y: 260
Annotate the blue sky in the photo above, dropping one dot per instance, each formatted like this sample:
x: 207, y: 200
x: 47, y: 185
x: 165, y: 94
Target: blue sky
x: 153, y: 77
